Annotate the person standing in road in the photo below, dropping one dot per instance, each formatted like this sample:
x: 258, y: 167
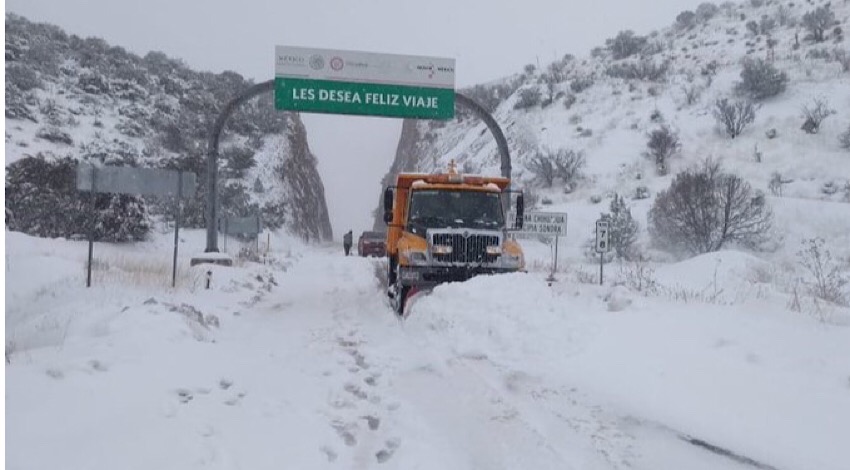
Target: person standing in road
x: 346, y: 242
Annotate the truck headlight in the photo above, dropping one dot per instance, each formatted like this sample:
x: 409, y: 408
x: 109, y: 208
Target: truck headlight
x: 441, y: 249
x: 415, y: 258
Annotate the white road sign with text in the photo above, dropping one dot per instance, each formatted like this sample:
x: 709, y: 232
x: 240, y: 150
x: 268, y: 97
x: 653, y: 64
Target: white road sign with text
x: 544, y: 223
x: 602, y: 234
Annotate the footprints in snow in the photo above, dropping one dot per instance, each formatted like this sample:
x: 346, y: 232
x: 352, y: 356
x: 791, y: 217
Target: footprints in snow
x: 185, y: 395
x: 92, y: 366
x: 358, y: 407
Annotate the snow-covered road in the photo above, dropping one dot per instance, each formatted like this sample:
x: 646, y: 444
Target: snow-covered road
x: 303, y: 365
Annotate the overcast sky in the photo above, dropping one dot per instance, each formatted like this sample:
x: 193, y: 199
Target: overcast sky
x: 489, y: 39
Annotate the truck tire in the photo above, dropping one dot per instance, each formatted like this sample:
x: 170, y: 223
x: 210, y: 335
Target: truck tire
x: 397, y: 292
x: 399, y: 299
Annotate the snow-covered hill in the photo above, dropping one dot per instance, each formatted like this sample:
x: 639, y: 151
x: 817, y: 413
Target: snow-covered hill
x: 82, y: 98
x: 585, y: 107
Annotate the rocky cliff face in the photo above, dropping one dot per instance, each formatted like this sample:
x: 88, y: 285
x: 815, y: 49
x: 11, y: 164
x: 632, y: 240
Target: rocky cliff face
x: 308, y: 210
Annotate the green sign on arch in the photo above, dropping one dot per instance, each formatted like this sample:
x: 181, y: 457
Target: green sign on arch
x: 325, y: 96
x: 348, y: 82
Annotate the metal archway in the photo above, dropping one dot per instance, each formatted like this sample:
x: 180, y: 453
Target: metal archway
x: 267, y: 86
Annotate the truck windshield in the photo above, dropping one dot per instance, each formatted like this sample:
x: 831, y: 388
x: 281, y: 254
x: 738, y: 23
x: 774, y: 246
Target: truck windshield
x: 430, y: 208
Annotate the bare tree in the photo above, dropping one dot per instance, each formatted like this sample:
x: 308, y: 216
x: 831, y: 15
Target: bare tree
x: 734, y: 117
x: 663, y: 143
x: 542, y: 168
x: 568, y: 165
x: 706, y: 208
x: 565, y: 165
x: 814, y: 114
x: 818, y: 21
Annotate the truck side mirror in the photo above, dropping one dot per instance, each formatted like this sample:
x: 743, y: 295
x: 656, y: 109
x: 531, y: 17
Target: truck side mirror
x: 520, y: 209
x: 388, y: 205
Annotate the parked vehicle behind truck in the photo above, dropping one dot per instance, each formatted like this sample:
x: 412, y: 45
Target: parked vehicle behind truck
x: 447, y: 227
x: 372, y: 243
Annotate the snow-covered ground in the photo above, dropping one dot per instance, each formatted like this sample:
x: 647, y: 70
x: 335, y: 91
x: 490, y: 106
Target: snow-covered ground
x: 300, y: 363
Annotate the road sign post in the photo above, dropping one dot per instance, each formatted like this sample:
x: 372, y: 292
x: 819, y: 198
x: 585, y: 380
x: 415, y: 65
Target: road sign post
x: 602, y: 245
x: 251, y: 225
x: 142, y: 181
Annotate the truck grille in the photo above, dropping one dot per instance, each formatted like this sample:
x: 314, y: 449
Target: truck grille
x: 471, y: 248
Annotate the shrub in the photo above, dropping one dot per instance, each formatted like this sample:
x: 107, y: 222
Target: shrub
x: 826, y: 280
x: 776, y: 182
x: 42, y: 195
x: 686, y: 19
x: 818, y: 21
x: 644, y: 69
x: 842, y: 57
x: 705, y: 208
x: 490, y: 97
x: 663, y: 143
x: 706, y: 11
x: 844, y: 139
x: 238, y: 159
x: 753, y: 27
x: 528, y: 97
x: 692, y: 93
x: 55, y: 135
x: 734, y: 117
x: 766, y: 25
x: 760, y: 79
x: 814, y: 114
x: 783, y: 15
x: 580, y: 84
x: 625, y: 44
x: 16, y: 106
x: 23, y: 77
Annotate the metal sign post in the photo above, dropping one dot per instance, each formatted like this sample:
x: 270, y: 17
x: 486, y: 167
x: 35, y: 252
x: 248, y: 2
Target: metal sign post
x: 602, y: 245
x: 143, y: 181
x: 177, y: 209
x: 91, y: 228
x: 251, y: 225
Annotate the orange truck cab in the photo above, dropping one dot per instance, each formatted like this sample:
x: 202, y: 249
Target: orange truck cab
x: 447, y: 227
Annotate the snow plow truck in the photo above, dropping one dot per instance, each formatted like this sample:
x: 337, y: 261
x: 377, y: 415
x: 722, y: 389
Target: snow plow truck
x: 447, y: 227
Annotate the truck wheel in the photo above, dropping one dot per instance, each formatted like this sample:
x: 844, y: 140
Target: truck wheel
x: 399, y: 298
